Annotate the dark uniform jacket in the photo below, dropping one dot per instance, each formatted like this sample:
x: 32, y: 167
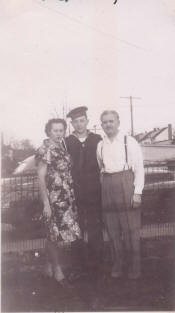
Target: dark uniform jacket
x: 85, y: 170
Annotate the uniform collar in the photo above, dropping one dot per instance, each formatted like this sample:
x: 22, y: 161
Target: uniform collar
x: 88, y: 133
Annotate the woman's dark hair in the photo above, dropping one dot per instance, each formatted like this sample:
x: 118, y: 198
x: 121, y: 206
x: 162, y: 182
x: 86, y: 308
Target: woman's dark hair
x: 54, y: 121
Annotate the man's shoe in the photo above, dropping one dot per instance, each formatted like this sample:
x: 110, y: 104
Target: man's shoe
x: 116, y: 271
x: 77, y: 274
x: 116, y: 275
x: 97, y: 304
x: 48, y: 270
x: 65, y: 284
x: 134, y: 275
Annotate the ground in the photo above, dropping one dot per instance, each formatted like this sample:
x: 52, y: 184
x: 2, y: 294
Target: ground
x: 24, y: 289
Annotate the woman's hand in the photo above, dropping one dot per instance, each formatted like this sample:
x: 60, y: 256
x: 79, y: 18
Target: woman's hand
x: 47, y: 212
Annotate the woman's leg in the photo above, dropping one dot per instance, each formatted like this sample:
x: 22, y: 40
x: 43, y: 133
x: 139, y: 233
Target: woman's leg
x: 53, y: 255
x: 48, y: 269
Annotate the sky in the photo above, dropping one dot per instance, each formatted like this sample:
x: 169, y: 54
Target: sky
x: 85, y: 52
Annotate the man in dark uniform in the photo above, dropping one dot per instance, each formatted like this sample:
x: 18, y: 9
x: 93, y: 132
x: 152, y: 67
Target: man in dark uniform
x: 82, y: 146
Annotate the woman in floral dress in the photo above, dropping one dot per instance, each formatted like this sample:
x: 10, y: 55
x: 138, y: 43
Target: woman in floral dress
x: 57, y: 194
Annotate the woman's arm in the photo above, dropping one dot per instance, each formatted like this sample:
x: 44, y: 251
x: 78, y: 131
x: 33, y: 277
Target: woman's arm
x: 42, y: 171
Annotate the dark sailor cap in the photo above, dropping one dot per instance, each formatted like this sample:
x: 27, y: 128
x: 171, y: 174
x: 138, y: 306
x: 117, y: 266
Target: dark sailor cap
x: 77, y: 112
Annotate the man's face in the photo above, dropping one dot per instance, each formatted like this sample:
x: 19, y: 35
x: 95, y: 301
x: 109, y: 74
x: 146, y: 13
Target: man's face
x: 80, y: 124
x: 57, y: 132
x: 110, y: 124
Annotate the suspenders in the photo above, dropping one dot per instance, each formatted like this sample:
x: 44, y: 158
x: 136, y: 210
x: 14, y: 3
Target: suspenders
x: 126, y: 149
x: 103, y: 166
x: 126, y: 155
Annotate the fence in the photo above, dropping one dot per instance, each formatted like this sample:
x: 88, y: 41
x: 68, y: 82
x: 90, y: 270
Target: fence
x: 21, y: 209
x: 18, y: 188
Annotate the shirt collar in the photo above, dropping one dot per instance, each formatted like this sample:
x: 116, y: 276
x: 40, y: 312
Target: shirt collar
x: 119, y: 137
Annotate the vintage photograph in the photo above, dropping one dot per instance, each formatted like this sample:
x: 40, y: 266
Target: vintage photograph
x: 87, y: 98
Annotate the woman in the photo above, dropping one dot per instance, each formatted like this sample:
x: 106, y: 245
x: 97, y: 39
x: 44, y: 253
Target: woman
x: 57, y: 194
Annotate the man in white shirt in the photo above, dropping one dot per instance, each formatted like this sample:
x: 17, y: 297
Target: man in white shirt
x: 122, y: 179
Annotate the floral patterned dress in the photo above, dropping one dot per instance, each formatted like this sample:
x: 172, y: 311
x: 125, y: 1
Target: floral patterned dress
x: 62, y: 226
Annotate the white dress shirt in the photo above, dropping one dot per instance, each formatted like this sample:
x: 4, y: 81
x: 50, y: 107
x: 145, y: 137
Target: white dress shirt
x: 112, y: 158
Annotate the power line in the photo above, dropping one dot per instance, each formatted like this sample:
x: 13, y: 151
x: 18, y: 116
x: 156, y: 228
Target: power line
x: 131, y: 111
x: 75, y: 32
x: 75, y: 20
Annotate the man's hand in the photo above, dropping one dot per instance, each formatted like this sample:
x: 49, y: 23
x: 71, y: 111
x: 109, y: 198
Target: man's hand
x: 47, y: 212
x: 136, y: 200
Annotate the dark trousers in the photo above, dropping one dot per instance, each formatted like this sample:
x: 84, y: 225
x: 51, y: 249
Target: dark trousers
x: 90, y: 221
x: 122, y: 222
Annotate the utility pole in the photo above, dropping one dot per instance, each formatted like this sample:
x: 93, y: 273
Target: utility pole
x: 69, y: 128
x: 131, y: 111
x: 65, y: 107
x: 63, y: 110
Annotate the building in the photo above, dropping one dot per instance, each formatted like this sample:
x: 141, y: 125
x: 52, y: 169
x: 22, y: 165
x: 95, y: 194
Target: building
x: 157, y: 136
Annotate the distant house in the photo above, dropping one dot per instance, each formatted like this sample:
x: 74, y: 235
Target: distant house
x: 140, y: 136
x: 156, y: 136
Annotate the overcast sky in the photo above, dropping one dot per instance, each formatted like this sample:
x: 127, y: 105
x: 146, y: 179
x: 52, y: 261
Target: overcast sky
x: 86, y: 52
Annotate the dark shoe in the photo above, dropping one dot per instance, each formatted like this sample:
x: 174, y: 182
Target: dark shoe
x: 134, y: 271
x: 116, y: 271
x: 134, y: 275
x: 116, y: 275
x: 48, y: 271
x: 77, y: 274
x: 97, y: 304
x: 64, y: 283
